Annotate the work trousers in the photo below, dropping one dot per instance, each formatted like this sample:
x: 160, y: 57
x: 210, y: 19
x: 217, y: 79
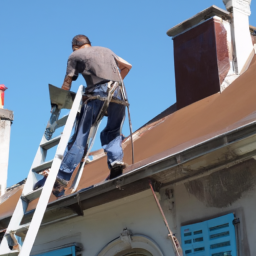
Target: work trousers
x: 111, y: 138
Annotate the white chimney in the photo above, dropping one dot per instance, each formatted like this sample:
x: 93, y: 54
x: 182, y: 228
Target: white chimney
x: 242, y: 42
x: 6, y: 118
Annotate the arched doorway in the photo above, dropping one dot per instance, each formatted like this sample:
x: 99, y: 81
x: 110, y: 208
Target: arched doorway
x: 134, y: 252
x: 131, y: 245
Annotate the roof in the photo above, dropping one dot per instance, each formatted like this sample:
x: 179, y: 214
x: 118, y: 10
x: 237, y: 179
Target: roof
x: 185, y: 128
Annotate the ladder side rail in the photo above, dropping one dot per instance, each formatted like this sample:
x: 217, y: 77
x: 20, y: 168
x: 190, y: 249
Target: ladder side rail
x: 47, y: 189
x: 21, y: 206
x: 4, y: 249
x: 31, y: 179
x: 15, y: 221
x: 40, y: 154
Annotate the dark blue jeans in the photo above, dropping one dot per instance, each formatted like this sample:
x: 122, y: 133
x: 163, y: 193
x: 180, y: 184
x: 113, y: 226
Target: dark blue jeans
x: 111, y: 138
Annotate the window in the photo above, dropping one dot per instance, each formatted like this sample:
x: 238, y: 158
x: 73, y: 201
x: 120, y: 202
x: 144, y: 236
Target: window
x: 68, y: 251
x: 215, y: 237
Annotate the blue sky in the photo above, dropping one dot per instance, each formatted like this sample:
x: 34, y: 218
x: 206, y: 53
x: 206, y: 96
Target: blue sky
x: 36, y: 42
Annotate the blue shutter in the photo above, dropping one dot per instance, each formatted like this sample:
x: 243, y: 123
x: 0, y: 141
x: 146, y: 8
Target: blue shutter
x: 68, y: 251
x: 215, y: 237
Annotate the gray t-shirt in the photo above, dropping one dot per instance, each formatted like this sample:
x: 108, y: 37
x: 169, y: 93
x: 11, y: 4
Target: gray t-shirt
x: 96, y: 64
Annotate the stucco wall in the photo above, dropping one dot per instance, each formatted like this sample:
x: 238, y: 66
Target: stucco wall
x: 101, y: 225
x: 139, y: 214
x: 185, y: 208
x: 5, y: 133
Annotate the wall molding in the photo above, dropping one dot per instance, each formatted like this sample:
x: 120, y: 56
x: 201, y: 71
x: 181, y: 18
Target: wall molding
x: 128, y: 241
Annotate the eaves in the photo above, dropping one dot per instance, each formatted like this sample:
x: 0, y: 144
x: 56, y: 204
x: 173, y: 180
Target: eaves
x: 137, y: 179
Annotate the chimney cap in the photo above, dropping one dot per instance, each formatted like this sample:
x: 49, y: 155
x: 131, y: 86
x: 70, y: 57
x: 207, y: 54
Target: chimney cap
x: 232, y: 1
x: 3, y: 87
x: 242, y: 5
x: 198, y: 18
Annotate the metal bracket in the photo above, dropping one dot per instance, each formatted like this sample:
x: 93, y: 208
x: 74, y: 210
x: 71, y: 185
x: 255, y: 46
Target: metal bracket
x: 119, y: 183
x: 78, y: 207
x: 236, y: 221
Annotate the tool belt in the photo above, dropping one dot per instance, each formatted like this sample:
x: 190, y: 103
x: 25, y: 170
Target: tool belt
x: 112, y: 86
x: 88, y: 97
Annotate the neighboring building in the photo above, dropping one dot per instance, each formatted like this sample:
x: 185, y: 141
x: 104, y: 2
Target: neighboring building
x: 6, y: 119
x: 199, y: 154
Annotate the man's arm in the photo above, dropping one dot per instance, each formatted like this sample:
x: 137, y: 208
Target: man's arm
x: 71, y: 73
x: 124, y: 66
x: 67, y: 83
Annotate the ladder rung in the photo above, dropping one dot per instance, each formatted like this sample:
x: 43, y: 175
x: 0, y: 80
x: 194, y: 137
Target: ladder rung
x: 42, y: 166
x: 51, y: 143
x: 61, y: 122
x: 32, y: 195
x: 10, y: 253
x: 22, y: 230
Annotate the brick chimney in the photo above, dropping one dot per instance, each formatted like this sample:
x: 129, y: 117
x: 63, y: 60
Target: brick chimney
x: 208, y: 52
x: 6, y: 118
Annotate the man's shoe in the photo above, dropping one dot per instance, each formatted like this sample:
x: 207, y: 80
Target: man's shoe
x: 61, y: 182
x: 117, y: 168
x: 114, y: 173
x: 58, y: 191
x: 41, y: 182
x: 117, y: 163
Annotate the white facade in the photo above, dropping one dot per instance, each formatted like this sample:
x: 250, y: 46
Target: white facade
x: 5, y: 132
x: 101, y: 226
x: 241, y: 38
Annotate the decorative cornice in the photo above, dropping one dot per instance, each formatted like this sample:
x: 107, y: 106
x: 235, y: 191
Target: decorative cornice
x: 241, y: 5
x: 6, y: 114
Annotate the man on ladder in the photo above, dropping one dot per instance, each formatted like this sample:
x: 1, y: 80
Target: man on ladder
x: 100, y: 68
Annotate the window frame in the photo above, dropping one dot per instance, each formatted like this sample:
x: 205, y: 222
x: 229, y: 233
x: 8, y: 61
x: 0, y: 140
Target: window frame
x: 67, y: 251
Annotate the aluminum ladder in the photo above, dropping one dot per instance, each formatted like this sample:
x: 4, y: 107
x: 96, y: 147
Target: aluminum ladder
x: 59, y: 99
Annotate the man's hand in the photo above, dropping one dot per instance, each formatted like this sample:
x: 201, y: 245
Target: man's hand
x: 67, y: 83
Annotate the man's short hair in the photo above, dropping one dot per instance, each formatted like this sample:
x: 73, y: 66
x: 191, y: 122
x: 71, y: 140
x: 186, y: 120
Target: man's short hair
x: 80, y: 40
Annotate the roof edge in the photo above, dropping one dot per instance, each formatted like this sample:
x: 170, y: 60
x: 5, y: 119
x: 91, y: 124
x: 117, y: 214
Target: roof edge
x: 145, y: 169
